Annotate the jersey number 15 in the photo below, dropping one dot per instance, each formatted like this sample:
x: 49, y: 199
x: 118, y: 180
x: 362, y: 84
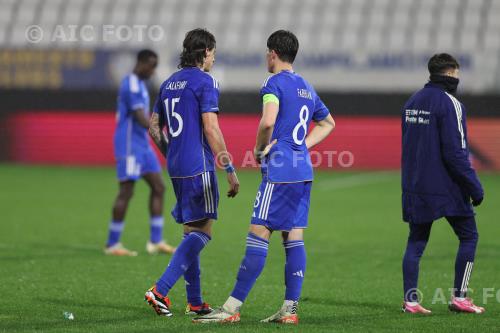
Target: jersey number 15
x: 170, y: 112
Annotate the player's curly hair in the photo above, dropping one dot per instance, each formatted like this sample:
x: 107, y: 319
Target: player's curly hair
x: 195, y: 44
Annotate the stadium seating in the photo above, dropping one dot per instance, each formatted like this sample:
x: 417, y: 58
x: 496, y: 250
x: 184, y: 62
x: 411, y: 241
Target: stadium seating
x: 358, y: 27
x: 458, y: 25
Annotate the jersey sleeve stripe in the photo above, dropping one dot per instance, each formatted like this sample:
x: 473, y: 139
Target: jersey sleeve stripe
x: 133, y: 83
x: 459, y: 116
x: 265, y: 82
x: 215, y: 83
x: 458, y: 112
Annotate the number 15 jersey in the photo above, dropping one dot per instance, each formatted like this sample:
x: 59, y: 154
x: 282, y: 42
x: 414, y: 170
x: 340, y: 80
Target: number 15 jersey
x: 289, y: 160
x: 183, y: 98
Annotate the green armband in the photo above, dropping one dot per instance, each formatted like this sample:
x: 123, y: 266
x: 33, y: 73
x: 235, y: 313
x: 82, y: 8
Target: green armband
x: 270, y: 98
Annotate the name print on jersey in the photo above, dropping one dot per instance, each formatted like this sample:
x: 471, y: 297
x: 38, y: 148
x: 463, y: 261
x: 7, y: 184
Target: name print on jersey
x: 419, y: 117
x: 176, y: 85
x: 304, y: 93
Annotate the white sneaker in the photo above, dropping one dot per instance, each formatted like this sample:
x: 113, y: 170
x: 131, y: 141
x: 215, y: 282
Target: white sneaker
x: 218, y: 315
x: 119, y: 250
x: 161, y: 247
x: 283, y: 316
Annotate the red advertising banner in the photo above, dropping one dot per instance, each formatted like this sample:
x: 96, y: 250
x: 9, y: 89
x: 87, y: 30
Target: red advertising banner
x: 86, y: 138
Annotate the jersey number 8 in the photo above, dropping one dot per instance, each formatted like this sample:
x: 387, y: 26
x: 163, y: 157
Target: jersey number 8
x: 174, y: 115
x: 303, y: 116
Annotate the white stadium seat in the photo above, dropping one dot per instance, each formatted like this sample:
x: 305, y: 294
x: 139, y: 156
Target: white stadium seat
x: 360, y: 26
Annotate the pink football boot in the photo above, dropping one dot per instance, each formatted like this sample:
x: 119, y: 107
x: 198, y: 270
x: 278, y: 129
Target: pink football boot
x: 409, y: 308
x: 465, y: 305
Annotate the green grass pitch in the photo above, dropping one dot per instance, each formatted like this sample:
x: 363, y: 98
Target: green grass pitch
x: 53, y: 224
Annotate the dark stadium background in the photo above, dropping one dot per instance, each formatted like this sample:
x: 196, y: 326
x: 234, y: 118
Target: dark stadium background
x: 365, y: 58
x: 76, y: 127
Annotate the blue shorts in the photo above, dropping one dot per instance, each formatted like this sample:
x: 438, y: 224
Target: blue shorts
x: 135, y: 166
x: 197, y: 198
x: 282, y: 206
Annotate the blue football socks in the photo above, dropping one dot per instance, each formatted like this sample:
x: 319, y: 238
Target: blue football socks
x: 182, y: 259
x: 115, y: 232
x: 251, y: 266
x: 295, y: 268
x: 193, y: 284
x: 156, y: 228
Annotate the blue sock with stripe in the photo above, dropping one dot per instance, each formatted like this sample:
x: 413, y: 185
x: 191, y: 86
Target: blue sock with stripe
x: 115, y: 232
x: 193, y: 284
x: 183, y: 257
x: 251, y: 266
x: 156, y: 229
x: 295, y: 268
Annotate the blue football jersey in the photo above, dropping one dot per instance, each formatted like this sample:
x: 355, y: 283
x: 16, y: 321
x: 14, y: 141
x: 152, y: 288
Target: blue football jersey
x: 130, y: 137
x: 183, y: 98
x: 289, y: 160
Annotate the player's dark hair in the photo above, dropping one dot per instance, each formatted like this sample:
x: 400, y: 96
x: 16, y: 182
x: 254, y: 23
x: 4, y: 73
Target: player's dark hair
x: 195, y: 44
x: 285, y: 44
x: 442, y: 62
x: 144, y: 55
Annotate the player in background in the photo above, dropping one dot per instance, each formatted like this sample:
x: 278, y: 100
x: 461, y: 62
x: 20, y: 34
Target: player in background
x: 438, y: 180
x: 187, y: 106
x: 136, y: 159
x: 282, y: 203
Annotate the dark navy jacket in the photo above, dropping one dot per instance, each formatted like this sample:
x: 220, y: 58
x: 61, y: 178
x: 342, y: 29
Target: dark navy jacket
x: 437, y: 177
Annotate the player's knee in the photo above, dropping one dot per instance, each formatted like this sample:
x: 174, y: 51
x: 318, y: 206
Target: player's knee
x: 293, y: 235
x: 158, y: 189
x: 415, y: 249
x: 126, y: 194
x: 260, y: 231
x: 470, y: 237
x: 204, y: 226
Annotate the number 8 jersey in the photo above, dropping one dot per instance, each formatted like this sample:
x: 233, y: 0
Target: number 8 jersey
x: 289, y: 160
x: 182, y: 99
